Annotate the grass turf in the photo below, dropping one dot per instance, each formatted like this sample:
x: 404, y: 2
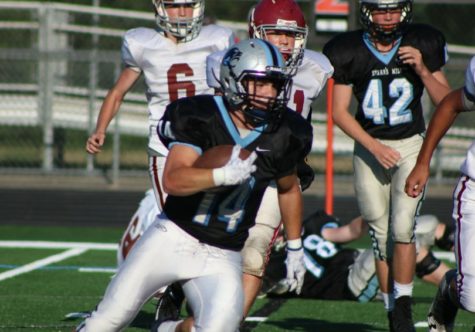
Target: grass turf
x: 41, y: 299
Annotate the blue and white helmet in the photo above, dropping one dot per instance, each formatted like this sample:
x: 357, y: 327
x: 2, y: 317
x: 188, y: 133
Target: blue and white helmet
x: 375, y: 30
x: 184, y: 29
x: 255, y: 59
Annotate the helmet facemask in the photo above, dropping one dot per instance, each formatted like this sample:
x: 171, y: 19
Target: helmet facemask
x: 294, y: 56
x: 184, y: 29
x: 283, y: 16
x: 379, y: 32
x: 260, y: 110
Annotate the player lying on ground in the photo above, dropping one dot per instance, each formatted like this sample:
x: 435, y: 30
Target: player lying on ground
x: 335, y: 272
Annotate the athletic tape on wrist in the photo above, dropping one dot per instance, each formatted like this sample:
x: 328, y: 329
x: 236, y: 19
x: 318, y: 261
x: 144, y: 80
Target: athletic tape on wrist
x: 218, y: 176
x: 295, y: 244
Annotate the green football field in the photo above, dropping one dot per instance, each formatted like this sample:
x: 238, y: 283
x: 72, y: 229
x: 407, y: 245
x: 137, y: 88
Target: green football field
x: 50, y: 275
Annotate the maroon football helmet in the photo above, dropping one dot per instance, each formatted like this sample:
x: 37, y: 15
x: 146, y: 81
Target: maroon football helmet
x: 280, y: 15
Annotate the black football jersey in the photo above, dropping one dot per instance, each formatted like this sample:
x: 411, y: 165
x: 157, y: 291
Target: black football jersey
x: 222, y: 218
x: 327, y: 263
x: 388, y: 92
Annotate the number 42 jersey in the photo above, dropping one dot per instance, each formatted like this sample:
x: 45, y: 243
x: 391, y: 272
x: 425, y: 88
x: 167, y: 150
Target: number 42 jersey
x: 388, y: 92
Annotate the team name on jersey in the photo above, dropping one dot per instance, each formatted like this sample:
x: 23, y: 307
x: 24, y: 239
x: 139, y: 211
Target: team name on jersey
x: 386, y: 72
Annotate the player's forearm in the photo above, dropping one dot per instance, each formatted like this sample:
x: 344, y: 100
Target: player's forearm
x: 291, y: 207
x: 436, y: 85
x: 185, y: 181
x: 346, y: 122
x: 109, y: 109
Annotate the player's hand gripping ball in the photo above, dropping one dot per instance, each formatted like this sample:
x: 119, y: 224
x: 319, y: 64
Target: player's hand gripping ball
x: 231, y: 165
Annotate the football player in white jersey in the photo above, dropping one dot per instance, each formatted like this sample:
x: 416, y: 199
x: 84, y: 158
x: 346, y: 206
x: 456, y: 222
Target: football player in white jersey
x: 282, y: 23
x: 172, y: 59
x: 457, y: 290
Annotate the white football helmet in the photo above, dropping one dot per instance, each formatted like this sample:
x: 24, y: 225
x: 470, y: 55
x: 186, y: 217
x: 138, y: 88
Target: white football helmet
x: 184, y: 29
x: 255, y: 59
x: 376, y: 31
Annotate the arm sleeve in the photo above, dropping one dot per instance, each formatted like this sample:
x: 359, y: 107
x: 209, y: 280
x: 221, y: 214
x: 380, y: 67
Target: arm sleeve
x: 213, y: 66
x: 300, y: 144
x: 180, y: 125
x: 341, y: 69
x: 469, y: 89
x: 434, y: 48
x: 130, y: 53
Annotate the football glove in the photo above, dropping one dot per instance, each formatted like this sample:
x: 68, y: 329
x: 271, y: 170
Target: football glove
x: 295, y: 269
x: 236, y: 170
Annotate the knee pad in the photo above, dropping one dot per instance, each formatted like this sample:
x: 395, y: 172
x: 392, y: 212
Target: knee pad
x: 425, y: 230
x: 256, y: 250
x: 404, y: 229
x: 253, y: 261
x: 427, y: 265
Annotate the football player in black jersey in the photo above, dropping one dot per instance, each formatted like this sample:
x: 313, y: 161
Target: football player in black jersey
x: 386, y: 66
x: 198, y: 237
x: 338, y: 273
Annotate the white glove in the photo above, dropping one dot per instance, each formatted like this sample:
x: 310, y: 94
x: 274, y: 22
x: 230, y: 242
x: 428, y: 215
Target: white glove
x: 295, y: 269
x: 236, y: 171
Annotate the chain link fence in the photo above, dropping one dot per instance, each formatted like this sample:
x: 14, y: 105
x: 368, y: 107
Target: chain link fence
x: 57, y: 63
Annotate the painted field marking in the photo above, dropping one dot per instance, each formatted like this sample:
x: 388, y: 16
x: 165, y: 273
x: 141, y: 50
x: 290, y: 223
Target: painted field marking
x: 256, y: 319
x: 42, y: 262
x: 58, y: 245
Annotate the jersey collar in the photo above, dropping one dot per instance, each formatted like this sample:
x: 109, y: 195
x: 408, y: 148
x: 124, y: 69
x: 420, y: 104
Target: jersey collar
x: 242, y: 141
x: 383, y: 57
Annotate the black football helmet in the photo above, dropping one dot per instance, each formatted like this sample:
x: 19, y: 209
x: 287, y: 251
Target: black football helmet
x: 375, y: 30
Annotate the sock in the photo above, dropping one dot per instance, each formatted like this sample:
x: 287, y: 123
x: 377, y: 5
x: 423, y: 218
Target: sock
x: 169, y: 326
x: 388, y: 300
x: 402, y: 289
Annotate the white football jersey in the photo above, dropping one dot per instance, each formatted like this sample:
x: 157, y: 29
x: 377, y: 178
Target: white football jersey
x: 309, y: 81
x: 468, y: 166
x: 171, y: 71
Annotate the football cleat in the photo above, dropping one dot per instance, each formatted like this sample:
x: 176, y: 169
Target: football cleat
x: 402, y: 315
x: 169, y: 305
x: 390, y: 320
x: 442, y: 311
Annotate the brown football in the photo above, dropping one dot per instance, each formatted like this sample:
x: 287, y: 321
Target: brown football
x: 218, y: 156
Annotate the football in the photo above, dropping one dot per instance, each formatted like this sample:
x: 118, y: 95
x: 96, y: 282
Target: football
x: 218, y: 156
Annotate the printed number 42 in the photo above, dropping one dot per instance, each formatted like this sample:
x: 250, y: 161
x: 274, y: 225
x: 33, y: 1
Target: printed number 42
x: 373, y: 106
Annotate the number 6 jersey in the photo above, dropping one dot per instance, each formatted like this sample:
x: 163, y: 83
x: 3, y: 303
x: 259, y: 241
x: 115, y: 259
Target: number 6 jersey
x: 388, y: 92
x: 170, y: 70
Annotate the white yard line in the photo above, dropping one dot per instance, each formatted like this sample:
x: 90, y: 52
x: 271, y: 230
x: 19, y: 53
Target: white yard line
x: 42, y: 262
x: 256, y: 319
x: 421, y: 324
x: 58, y: 245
